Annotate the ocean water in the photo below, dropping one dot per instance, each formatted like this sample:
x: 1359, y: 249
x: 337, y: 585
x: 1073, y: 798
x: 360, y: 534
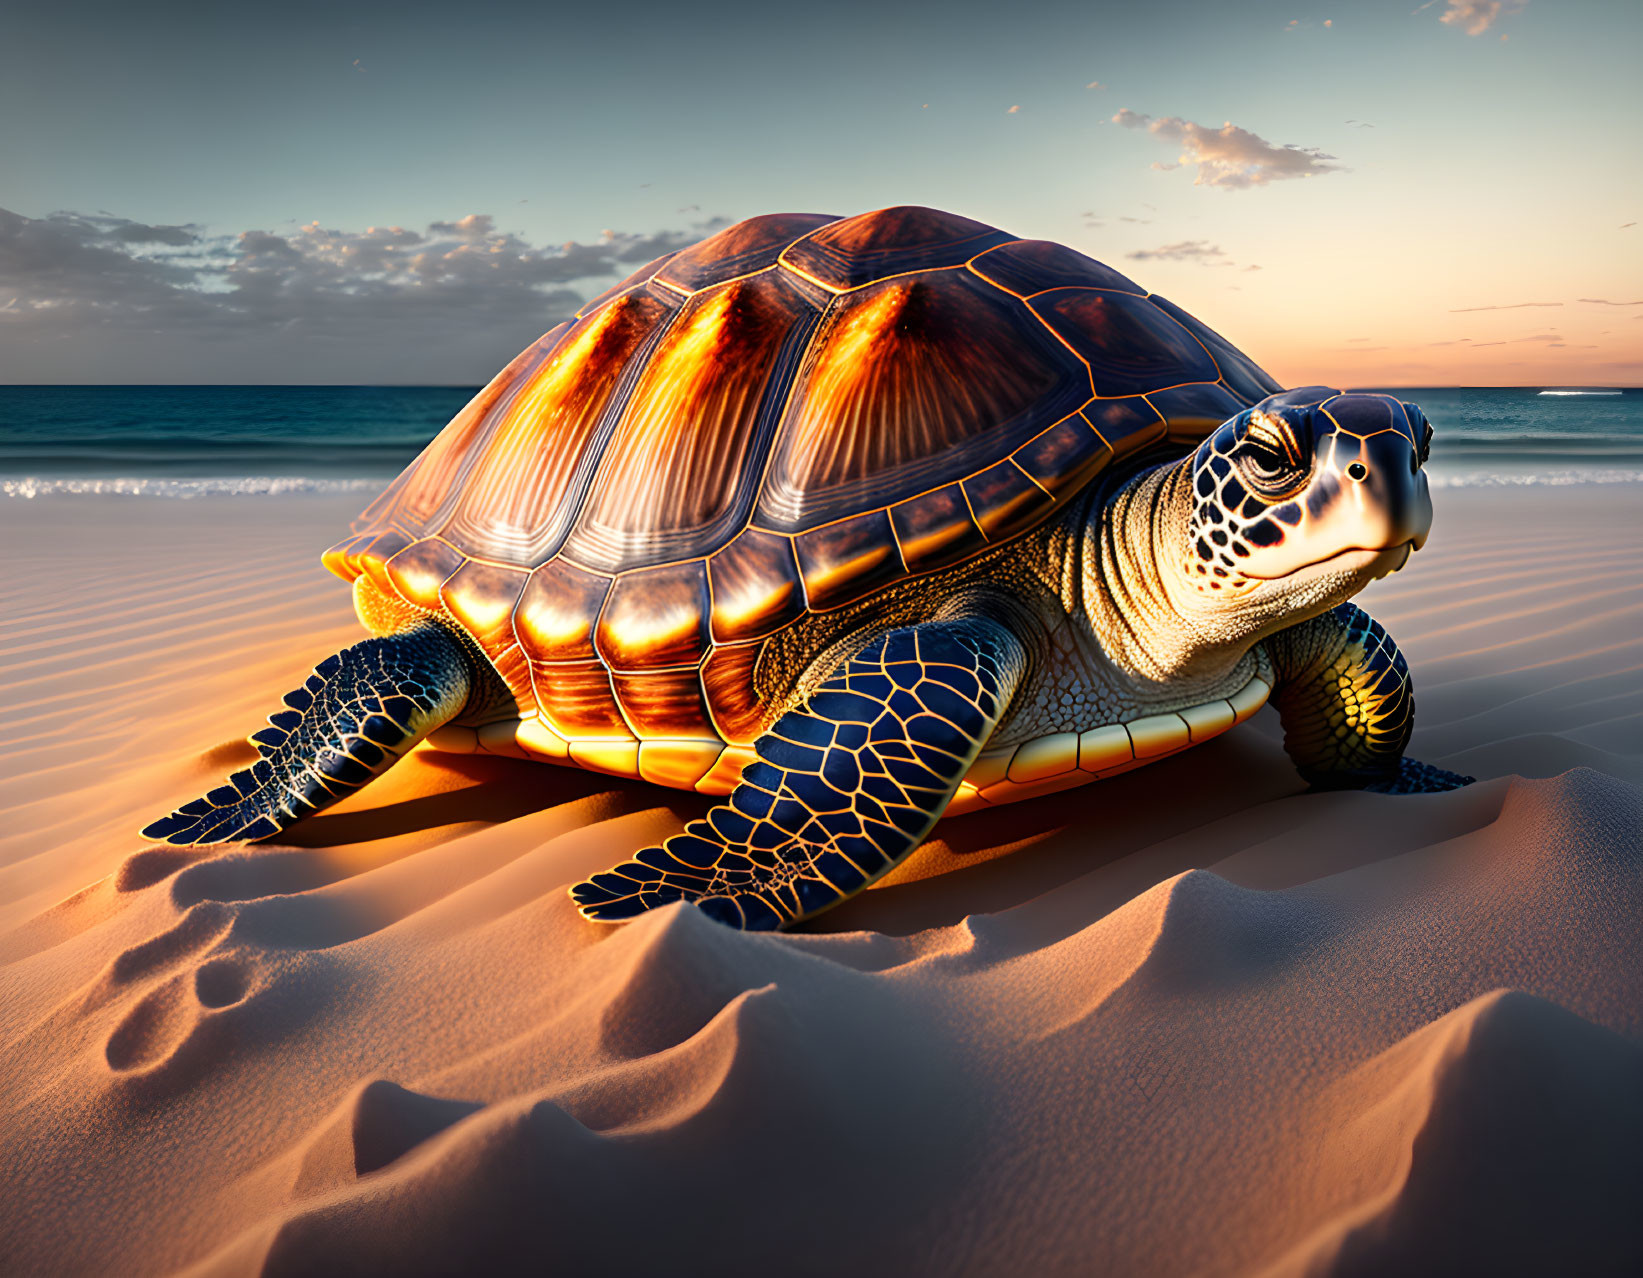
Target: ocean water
x: 186, y: 441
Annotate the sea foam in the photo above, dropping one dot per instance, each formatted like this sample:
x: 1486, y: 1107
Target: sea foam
x: 289, y: 485
x: 1534, y: 479
x: 242, y: 486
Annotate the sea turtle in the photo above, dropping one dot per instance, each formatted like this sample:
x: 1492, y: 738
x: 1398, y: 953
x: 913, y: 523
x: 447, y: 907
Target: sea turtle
x: 858, y: 521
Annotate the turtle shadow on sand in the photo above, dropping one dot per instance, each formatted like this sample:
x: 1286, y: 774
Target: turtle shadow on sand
x: 470, y: 790
x: 990, y: 861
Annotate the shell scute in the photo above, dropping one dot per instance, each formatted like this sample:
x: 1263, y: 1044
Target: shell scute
x: 853, y: 251
x: 1242, y: 374
x: 424, y: 492
x: 1005, y: 500
x: 1130, y: 345
x: 1197, y: 409
x: 1126, y: 424
x: 910, y: 384
x: 1063, y: 458
x: 372, y: 561
x: 516, y: 504
x: 514, y: 667
x: 557, y: 612
x: 577, y: 701
x: 482, y: 597
x: 680, y: 764
x: 739, y: 714
x: 843, y: 561
x: 664, y: 703
x: 936, y: 529
x: 418, y: 571
x: 677, y: 476
x: 343, y: 558
x: 1025, y: 267
x: 755, y: 586
x: 741, y: 249
x: 656, y: 617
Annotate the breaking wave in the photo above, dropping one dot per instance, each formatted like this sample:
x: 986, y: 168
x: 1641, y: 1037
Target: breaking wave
x: 1534, y: 479
x: 290, y: 485
x: 243, y: 486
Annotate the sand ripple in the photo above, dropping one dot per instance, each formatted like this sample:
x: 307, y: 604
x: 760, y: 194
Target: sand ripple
x: 1191, y: 1021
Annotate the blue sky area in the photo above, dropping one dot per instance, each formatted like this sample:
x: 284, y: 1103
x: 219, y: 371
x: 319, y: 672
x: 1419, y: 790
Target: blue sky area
x: 1351, y: 191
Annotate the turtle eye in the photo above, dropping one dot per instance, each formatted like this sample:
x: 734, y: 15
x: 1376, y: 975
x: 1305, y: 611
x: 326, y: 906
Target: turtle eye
x: 1264, y: 460
x: 1269, y: 470
x: 1269, y: 456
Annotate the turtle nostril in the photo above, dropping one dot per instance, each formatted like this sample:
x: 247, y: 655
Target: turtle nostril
x: 1357, y: 471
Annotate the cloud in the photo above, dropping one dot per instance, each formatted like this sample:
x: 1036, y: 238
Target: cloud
x: 1476, y: 16
x: 1230, y: 157
x: 1510, y: 306
x: 1624, y: 225
x: 1012, y: 110
x: 95, y: 295
x: 137, y: 233
x: 1200, y: 251
x: 1603, y: 301
x: 474, y: 226
x: 1184, y: 251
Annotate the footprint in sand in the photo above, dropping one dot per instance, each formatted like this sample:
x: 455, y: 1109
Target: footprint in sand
x: 184, y: 1024
x: 194, y: 981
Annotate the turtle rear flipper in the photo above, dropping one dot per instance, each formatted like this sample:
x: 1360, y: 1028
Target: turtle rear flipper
x: 351, y: 720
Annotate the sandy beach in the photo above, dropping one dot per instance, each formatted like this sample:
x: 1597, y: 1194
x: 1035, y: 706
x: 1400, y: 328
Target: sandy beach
x: 1190, y: 1020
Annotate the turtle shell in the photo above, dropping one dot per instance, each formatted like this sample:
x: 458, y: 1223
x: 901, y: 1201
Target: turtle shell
x: 781, y: 419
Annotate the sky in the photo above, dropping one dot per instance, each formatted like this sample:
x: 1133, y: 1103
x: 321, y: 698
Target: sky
x: 1364, y: 192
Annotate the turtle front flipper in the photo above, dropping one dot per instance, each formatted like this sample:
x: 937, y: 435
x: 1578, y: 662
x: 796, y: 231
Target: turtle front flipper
x: 1348, y: 707
x: 844, y: 788
x: 350, y: 721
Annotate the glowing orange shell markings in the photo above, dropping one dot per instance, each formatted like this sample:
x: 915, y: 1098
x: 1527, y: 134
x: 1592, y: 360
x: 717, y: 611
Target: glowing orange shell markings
x: 786, y: 418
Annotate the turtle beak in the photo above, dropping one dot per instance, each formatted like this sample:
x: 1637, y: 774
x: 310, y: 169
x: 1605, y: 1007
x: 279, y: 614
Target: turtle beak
x: 1384, y: 494
x: 1368, y: 496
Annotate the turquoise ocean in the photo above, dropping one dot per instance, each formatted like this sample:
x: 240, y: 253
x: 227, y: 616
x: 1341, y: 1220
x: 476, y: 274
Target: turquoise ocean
x: 188, y: 441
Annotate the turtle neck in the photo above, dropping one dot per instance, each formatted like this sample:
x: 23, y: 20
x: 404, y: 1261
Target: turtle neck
x: 1148, y: 620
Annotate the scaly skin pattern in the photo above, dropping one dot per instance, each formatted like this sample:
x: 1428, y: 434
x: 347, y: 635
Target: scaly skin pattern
x: 844, y: 787
x: 1085, y: 596
x: 1348, y: 706
x: 351, y: 720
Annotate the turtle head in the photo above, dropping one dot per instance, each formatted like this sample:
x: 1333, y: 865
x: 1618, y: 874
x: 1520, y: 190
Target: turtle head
x: 1307, y: 497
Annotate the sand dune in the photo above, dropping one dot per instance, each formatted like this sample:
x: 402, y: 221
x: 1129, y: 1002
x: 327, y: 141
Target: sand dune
x: 1189, y: 1020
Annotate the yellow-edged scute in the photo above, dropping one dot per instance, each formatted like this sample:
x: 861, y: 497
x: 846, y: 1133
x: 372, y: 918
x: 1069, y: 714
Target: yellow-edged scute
x: 782, y: 419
